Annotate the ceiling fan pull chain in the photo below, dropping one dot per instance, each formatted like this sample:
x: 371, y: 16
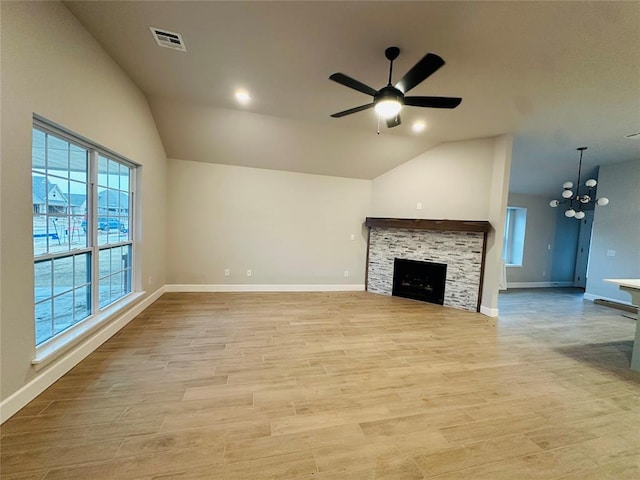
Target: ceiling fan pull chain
x: 378, y: 124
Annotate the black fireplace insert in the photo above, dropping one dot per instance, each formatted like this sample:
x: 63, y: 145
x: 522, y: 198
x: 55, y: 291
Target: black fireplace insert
x: 419, y: 280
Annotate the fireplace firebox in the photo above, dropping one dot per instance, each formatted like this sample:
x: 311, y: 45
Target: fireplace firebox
x: 419, y: 280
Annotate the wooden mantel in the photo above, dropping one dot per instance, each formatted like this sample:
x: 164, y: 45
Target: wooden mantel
x: 422, y: 224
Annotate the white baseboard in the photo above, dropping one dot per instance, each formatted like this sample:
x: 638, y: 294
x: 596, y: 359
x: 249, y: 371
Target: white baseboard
x: 48, y: 375
x: 538, y: 284
x: 489, y: 312
x: 591, y: 297
x: 263, y: 288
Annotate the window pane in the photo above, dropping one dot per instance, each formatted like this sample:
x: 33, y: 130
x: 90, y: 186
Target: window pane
x: 104, y: 292
x: 77, y: 232
x: 124, y: 178
x: 42, y: 280
x: 117, y: 286
x: 123, y: 233
x: 82, y: 269
x: 58, y: 240
x: 55, y: 161
x: 514, y: 234
x: 78, y: 164
x: 115, y: 273
x: 38, y: 150
x: 40, y: 235
x: 128, y: 288
x: 104, y: 262
x: 62, y: 312
x: 81, y: 303
x: 62, y: 275
x: 114, y: 169
x: 116, y: 259
x: 44, y: 322
x: 57, y: 156
x: 103, y: 171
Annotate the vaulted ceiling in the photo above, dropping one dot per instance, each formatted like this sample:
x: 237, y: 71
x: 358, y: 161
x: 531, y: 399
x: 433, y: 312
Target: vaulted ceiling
x: 557, y: 75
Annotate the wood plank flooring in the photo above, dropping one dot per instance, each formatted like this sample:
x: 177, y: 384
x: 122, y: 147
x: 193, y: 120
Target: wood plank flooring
x: 342, y: 386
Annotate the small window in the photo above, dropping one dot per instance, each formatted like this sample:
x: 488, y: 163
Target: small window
x: 514, y: 230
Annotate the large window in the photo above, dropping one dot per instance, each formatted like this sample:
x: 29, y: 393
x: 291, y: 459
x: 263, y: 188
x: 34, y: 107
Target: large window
x: 82, y: 224
x: 514, y: 230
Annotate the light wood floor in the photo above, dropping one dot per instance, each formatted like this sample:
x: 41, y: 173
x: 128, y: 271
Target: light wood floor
x: 342, y: 386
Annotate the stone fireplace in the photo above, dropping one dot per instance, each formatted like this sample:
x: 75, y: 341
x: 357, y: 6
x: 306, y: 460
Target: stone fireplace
x: 460, y: 246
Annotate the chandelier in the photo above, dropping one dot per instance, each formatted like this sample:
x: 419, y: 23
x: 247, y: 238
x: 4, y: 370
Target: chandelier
x: 577, y: 200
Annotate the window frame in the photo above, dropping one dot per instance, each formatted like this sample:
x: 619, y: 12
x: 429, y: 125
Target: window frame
x: 98, y: 315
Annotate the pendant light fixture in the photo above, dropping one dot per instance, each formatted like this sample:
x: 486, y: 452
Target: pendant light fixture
x: 578, y: 200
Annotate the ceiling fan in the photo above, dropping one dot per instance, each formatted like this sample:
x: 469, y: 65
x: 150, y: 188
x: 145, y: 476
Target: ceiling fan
x: 388, y: 101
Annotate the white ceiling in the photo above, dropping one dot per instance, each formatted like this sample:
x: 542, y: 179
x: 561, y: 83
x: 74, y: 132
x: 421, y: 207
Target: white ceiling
x: 556, y: 74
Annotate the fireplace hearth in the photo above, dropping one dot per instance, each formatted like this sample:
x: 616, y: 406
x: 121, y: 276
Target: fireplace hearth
x: 418, y: 280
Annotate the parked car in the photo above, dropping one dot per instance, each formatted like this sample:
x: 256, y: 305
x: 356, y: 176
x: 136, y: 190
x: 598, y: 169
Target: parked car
x: 108, y: 223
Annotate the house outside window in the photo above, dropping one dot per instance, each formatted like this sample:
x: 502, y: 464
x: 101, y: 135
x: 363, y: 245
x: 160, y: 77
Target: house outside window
x: 82, y: 229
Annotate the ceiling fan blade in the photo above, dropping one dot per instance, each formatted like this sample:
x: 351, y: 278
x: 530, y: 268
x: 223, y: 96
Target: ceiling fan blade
x: 429, y: 64
x: 394, y: 121
x: 353, y: 110
x: 433, y: 102
x: 347, y: 81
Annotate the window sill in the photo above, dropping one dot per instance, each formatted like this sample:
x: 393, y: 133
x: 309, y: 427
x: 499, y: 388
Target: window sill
x: 55, y: 347
x: 512, y: 265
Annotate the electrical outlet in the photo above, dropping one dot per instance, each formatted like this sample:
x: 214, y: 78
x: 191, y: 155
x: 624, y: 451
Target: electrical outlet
x: 346, y: 273
x: 150, y: 280
x: 611, y: 253
x: 227, y: 272
x: 419, y: 206
x: 248, y: 273
x: 353, y: 237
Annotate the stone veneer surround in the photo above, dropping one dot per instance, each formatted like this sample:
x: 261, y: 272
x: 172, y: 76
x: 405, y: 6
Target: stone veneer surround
x: 462, y: 251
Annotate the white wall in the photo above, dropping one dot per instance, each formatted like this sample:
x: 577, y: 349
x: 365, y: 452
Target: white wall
x: 539, y: 234
x: 465, y: 180
x: 51, y: 66
x: 287, y: 228
x: 616, y: 227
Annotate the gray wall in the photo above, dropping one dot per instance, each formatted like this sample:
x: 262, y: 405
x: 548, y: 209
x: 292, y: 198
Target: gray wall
x: 616, y: 227
x: 288, y: 228
x: 539, y: 234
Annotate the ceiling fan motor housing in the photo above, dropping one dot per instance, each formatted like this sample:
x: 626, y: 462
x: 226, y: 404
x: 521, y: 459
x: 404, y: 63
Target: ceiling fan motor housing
x: 389, y: 93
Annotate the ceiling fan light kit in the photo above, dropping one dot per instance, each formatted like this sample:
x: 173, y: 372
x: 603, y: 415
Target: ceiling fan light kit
x: 389, y: 100
x: 580, y: 199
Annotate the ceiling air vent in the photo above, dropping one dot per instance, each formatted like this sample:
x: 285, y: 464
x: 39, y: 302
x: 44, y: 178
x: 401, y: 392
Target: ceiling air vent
x: 168, y: 39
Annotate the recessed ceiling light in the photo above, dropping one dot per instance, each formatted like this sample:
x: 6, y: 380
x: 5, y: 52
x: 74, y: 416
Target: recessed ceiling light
x: 634, y: 136
x: 418, y: 126
x: 243, y: 96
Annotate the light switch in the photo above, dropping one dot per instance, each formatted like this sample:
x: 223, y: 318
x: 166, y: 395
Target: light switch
x: 353, y: 236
